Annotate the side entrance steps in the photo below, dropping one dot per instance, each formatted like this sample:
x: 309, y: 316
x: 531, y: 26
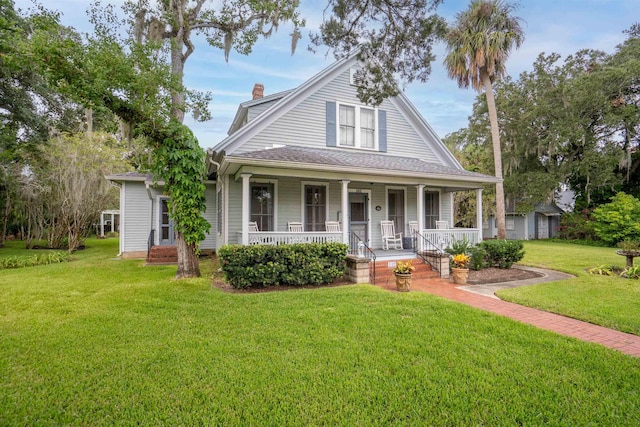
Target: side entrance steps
x: 159, y: 255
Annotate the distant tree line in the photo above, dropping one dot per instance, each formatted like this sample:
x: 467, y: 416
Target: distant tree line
x: 570, y: 123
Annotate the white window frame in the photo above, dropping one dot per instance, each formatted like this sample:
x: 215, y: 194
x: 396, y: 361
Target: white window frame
x: 302, y: 197
x: 510, y: 223
x: 357, y: 143
x: 424, y: 211
x: 275, y: 197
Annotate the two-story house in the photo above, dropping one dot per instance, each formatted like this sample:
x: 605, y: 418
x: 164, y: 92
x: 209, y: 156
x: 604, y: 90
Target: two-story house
x: 316, y: 164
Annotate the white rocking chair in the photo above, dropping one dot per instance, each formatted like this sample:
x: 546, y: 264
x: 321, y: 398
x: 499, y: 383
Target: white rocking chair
x: 413, y: 228
x: 295, y: 227
x: 253, y: 228
x: 389, y: 236
x: 442, y: 225
x: 332, y: 226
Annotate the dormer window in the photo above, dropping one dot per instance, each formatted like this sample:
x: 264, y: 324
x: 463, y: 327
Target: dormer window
x: 356, y: 127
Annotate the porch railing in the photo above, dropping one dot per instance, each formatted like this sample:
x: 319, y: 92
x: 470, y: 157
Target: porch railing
x: 360, y: 248
x: 442, y: 239
x: 289, y: 237
x: 420, y: 241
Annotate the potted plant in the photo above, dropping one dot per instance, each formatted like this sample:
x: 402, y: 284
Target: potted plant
x: 460, y: 268
x: 403, y: 272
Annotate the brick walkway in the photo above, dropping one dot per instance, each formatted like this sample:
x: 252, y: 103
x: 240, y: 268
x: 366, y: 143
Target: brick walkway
x: 623, y: 342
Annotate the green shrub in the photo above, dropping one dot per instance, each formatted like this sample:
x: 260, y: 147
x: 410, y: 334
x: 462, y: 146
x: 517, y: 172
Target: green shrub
x: 577, y: 226
x: 297, y: 264
x: 37, y: 259
x: 502, y: 253
x: 618, y: 220
x: 477, y: 257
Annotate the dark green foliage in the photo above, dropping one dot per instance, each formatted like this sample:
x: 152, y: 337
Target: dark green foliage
x: 502, y: 253
x: 394, y: 39
x: 37, y: 259
x: 477, y: 257
x: 179, y: 160
x: 618, y: 220
x: 297, y: 264
x: 577, y: 225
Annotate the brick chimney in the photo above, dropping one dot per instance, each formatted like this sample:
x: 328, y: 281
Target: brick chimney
x: 258, y: 91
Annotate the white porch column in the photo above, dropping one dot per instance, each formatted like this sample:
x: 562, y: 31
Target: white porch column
x: 101, y: 224
x: 246, y: 206
x: 345, y: 211
x: 420, y: 203
x: 479, y: 219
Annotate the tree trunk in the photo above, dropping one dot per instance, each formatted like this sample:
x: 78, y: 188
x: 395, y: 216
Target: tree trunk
x: 188, y: 263
x: 497, y: 153
x: 5, y: 218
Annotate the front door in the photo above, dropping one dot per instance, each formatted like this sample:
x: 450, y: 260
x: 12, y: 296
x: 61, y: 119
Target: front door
x: 543, y: 227
x: 359, y: 215
x: 167, y: 235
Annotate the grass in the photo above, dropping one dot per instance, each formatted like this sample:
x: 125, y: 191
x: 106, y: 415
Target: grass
x: 99, y: 341
x: 612, y: 302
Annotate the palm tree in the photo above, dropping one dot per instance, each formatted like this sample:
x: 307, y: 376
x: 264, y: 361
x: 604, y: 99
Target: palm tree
x: 478, y: 46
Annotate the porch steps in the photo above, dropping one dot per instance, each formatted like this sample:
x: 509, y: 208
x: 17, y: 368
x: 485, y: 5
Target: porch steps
x: 384, y: 270
x: 163, y: 255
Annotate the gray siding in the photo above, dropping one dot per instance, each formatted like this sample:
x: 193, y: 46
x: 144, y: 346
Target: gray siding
x: 235, y: 210
x: 304, y: 125
x: 519, y: 232
x: 254, y: 111
x: 210, y: 214
x: 137, y: 212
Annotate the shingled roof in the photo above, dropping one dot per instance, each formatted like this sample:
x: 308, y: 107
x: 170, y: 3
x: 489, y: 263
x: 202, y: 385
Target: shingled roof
x: 357, y: 160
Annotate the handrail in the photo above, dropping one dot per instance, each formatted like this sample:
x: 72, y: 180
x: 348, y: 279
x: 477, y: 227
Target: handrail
x: 427, y: 243
x: 354, y: 243
x: 150, y: 241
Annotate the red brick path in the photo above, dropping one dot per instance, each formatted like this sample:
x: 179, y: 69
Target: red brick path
x: 626, y: 343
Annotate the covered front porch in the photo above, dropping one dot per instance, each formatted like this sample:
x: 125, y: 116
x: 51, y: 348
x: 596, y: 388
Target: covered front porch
x: 280, y: 209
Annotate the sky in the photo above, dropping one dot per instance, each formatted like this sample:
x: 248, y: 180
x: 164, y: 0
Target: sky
x: 561, y: 26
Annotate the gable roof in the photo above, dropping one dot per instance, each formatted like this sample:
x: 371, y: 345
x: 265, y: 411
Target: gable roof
x: 302, y: 92
x: 372, y: 163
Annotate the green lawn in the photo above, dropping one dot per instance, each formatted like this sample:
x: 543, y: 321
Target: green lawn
x: 99, y: 341
x: 613, y: 302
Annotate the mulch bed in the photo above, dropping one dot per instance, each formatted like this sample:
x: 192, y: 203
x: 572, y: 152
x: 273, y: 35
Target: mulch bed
x: 498, y: 275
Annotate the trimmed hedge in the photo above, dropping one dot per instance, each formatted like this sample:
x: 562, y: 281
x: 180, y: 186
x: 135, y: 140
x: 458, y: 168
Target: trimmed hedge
x: 502, y: 253
x: 296, y: 264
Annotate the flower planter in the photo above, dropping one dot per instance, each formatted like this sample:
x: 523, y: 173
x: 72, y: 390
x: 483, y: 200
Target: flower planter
x: 460, y: 275
x: 403, y: 282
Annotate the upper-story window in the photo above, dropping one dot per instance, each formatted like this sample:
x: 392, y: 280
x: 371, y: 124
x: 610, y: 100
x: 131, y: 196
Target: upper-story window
x: 356, y: 127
